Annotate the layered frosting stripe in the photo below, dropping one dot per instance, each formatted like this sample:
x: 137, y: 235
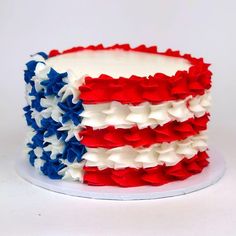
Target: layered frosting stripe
x: 158, y: 175
x: 157, y: 154
x: 145, y: 114
x: 111, y: 137
x: 135, y: 90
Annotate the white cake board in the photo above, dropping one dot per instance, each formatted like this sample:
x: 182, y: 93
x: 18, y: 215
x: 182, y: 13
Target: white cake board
x: 207, y: 177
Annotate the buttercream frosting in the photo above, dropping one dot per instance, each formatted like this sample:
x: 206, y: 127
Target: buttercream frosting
x: 67, y: 95
x: 158, y: 154
x: 116, y: 63
x: 145, y: 114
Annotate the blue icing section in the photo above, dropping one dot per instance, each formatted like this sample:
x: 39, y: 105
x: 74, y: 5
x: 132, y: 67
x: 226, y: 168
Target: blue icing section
x: 29, y: 73
x: 30, y: 121
x: 43, y: 54
x: 38, y: 138
x: 31, y: 65
x: 36, y: 102
x: 51, y: 168
x: 46, y: 156
x: 51, y: 127
x: 72, y: 111
x: 73, y: 150
x: 54, y: 82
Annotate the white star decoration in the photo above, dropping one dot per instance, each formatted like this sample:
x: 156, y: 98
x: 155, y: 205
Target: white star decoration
x: 56, y: 146
x: 37, y: 116
x: 38, y: 162
x: 71, y: 129
x: 28, y: 98
x: 41, y: 72
x: 28, y: 139
x: 73, y: 171
x: 52, y: 109
x: 71, y: 87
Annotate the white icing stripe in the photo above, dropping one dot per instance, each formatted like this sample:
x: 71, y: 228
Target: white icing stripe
x: 145, y: 114
x: 167, y: 153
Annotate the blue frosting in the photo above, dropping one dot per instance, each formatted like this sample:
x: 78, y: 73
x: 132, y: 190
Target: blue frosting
x: 32, y: 157
x: 72, y: 111
x: 43, y: 54
x: 36, y: 102
x: 54, y: 83
x: 38, y: 138
x: 30, y: 121
x: 29, y: 73
x: 51, y: 128
x: 74, y: 150
x: 52, y: 167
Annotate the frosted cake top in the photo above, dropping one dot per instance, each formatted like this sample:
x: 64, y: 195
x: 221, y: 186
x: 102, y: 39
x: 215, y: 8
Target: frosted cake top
x: 117, y: 63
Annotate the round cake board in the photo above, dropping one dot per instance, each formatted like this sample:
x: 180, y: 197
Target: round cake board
x: 210, y: 175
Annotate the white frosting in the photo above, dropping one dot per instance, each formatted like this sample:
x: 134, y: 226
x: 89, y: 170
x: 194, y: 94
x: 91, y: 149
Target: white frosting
x: 52, y: 109
x: 38, y: 162
x: 56, y: 146
x: 116, y: 63
x: 37, y: 116
x: 72, y: 171
x: 145, y: 114
x: 71, y: 129
x: 28, y: 98
x: 41, y: 72
x: 167, y: 153
x: 71, y: 87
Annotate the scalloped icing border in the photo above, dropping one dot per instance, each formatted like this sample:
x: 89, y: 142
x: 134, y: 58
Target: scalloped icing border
x: 141, y: 48
x: 179, y: 86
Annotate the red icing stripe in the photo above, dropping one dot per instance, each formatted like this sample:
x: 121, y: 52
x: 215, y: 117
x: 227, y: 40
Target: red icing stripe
x: 111, y: 137
x: 135, y: 90
x: 159, y: 175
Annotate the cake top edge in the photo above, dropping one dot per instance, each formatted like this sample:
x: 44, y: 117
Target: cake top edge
x: 195, y: 64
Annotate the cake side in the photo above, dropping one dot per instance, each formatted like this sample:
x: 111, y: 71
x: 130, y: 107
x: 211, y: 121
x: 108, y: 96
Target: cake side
x: 98, y: 131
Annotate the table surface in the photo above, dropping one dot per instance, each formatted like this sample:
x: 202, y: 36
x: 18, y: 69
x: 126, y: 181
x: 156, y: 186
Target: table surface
x: 30, y: 210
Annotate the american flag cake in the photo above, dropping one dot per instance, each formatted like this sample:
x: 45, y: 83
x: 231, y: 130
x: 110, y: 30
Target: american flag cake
x: 117, y: 116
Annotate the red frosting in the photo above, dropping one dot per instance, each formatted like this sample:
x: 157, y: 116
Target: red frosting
x: 111, y: 137
x: 135, y: 90
x: 159, y: 175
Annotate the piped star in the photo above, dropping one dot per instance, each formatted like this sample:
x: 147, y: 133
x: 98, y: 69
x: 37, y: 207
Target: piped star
x: 41, y: 72
x: 72, y: 130
x: 51, y: 108
x: 73, y: 171
x: 37, y: 116
x: 71, y: 87
x: 56, y: 146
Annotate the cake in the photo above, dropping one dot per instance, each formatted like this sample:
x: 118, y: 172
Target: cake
x: 117, y: 116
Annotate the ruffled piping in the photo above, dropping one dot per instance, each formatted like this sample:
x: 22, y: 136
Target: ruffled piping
x: 111, y: 137
x: 144, y: 114
x: 159, y: 175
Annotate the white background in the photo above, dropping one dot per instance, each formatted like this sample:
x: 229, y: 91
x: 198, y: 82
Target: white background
x: 204, y: 28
